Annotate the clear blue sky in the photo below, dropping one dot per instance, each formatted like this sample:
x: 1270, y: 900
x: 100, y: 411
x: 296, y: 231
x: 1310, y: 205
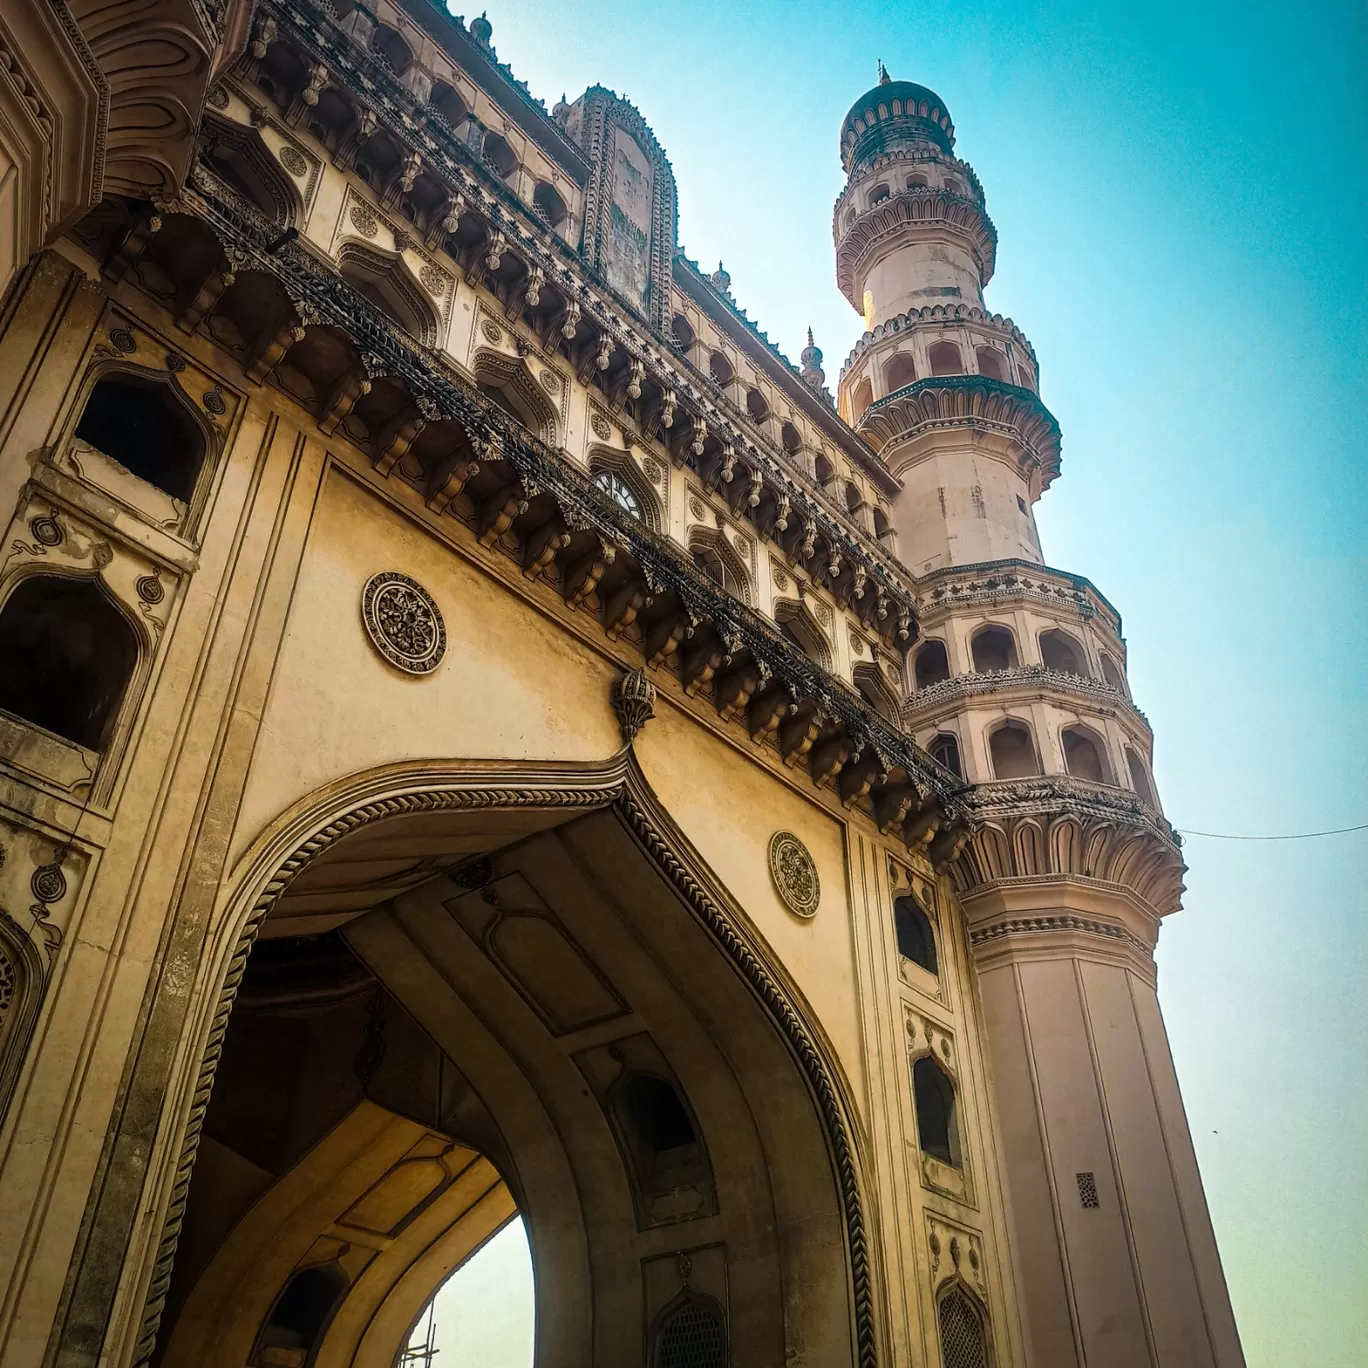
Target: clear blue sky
x: 1180, y: 197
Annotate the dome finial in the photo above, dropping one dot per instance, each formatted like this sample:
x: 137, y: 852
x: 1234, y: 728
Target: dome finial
x: 481, y: 29
x: 884, y: 77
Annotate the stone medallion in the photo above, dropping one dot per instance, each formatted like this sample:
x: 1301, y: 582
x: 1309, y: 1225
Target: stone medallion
x: 795, y: 874
x: 403, y: 622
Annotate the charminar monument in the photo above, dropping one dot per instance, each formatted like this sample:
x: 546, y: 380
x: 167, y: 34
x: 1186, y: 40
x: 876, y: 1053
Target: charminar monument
x: 482, y: 734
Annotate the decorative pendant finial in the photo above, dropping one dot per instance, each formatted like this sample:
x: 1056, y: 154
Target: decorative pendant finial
x: 634, y: 699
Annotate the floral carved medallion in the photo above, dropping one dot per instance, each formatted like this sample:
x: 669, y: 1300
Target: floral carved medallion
x: 293, y: 161
x: 795, y: 874
x: 403, y: 622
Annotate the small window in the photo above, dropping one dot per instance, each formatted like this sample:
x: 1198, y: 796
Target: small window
x: 861, y: 400
x: 854, y: 500
x: 143, y: 426
x: 684, y: 335
x: 449, y: 104
x: 933, y: 665
x: 991, y: 363
x: 934, y: 1096
x: 916, y: 939
x: 621, y: 493
x: 945, y: 359
x: 1083, y: 756
x: 799, y: 631
x: 756, y: 405
x: 714, y: 564
x: 953, y: 186
x: 499, y: 156
x: 66, y: 656
x: 878, y: 194
x: 302, y: 1313
x: 1061, y: 652
x: 917, y: 183
x: 883, y: 529
x: 1013, y: 752
x: 547, y: 202
x: 1112, y: 674
x: 1087, y: 1191
x: 392, y: 47
x: 789, y: 439
x: 963, y: 1340
x: 900, y: 370
x: 993, y: 649
x: 721, y: 370
x: 945, y: 750
x: 1021, y: 504
x: 825, y: 472
x: 691, y: 1335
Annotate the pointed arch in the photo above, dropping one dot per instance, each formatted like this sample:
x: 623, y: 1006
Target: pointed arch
x: 717, y: 558
x: 963, y: 1326
x: 509, y: 381
x: 876, y: 690
x: 22, y: 980
x: 238, y: 154
x: 386, y: 280
x: 608, y: 460
x: 689, y: 1332
x: 798, y: 625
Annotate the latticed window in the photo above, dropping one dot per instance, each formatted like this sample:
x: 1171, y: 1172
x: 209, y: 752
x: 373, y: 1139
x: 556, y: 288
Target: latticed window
x: 621, y: 493
x: 961, y: 1329
x: 691, y: 1337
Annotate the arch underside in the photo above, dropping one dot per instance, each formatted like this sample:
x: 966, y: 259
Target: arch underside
x: 523, y: 954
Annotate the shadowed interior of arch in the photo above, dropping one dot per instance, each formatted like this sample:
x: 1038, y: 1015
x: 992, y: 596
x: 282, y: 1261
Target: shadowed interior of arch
x: 453, y: 1017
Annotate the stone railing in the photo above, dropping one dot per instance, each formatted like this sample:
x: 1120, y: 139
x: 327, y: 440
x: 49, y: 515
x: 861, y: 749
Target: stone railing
x: 1038, y: 677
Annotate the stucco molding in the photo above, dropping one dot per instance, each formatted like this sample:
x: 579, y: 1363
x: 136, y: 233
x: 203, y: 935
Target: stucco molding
x: 1031, y: 679
x: 317, y: 824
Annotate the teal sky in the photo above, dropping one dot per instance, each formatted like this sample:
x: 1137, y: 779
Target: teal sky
x: 1179, y: 192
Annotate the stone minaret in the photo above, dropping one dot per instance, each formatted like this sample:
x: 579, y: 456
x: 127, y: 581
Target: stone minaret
x: 1019, y: 685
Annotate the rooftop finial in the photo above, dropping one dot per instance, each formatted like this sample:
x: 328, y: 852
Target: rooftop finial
x: 884, y: 77
x: 481, y: 29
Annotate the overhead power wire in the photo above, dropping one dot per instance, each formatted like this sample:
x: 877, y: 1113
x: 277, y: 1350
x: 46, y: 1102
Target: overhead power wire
x: 1298, y: 836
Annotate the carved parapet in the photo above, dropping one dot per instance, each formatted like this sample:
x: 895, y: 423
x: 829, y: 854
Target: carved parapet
x: 1049, y: 848
x: 973, y: 402
x: 1033, y: 680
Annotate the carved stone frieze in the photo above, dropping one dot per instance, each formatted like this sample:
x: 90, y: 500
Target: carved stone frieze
x: 935, y: 698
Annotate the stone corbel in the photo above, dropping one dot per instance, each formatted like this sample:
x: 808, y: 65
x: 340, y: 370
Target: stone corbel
x: 859, y: 775
x: 144, y: 229
x: 945, y: 849
x: 700, y: 661
x: 495, y: 515
x: 271, y: 346
x: 211, y: 291
x: 829, y: 757
x: 357, y: 135
x: 402, y: 183
x: 737, y: 685
x: 725, y: 471
x: 781, y: 514
x: 636, y: 374
x: 352, y: 386
x: 400, y: 433
x: 624, y: 604
x: 892, y: 803
x: 583, y: 575
x: 766, y: 711
x: 663, y: 637
x: 448, y: 221
x: 799, y: 731
x: 307, y: 98
x: 570, y: 323
x: 923, y: 824
x: 542, y: 546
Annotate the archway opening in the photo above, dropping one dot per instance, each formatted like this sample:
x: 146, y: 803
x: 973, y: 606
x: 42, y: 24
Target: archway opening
x: 1013, y: 751
x: 1059, y: 651
x: 934, y: 1096
x: 1085, y: 755
x: 932, y: 665
x: 147, y: 429
x: 66, y: 656
x: 945, y: 359
x: 994, y: 650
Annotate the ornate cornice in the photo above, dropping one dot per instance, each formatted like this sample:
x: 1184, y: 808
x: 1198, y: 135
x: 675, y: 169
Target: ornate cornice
x: 968, y: 401
x: 1051, y: 827
x: 1053, y: 924
x: 990, y: 582
x: 1035, y: 679
x: 938, y: 313
x: 920, y: 208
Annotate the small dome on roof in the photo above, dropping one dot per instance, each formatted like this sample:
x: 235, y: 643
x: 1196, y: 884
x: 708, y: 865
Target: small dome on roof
x: 893, y: 114
x: 481, y: 29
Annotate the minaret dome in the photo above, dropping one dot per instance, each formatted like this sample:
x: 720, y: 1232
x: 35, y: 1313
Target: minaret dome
x: 894, y: 114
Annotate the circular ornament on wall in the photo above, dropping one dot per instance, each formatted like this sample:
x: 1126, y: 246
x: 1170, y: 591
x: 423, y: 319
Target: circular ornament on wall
x: 600, y: 426
x: 491, y: 331
x: 293, y: 161
x: 795, y: 874
x: 434, y: 279
x: 363, y: 220
x: 403, y: 622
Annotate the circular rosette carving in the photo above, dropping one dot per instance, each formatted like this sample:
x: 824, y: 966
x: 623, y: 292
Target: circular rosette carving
x: 403, y: 622
x: 795, y: 874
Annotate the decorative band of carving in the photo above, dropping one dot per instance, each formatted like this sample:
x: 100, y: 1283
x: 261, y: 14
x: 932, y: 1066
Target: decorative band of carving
x: 1030, y: 926
x: 689, y: 889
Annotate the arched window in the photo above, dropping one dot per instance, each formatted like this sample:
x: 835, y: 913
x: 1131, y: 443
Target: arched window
x: 945, y: 749
x: 993, y: 649
x: 861, y: 399
x: 143, y: 426
x: 691, y: 1334
x: 547, y: 202
x: 898, y: 371
x: 1139, y: 777
x: 824, y: 469
x: 684, y: 336
x: 917, y: 183
x: 66, y: 656
x: 1061, y: 652
x: 933, y: 665
x: 789, y: 439
x: 239, y: 157
x: 388, y: 286
x: 945, y: 359
x: 991, y: 363
x: 664, y: 1149
x: 449, y: 104
x: 963, y: 1341
x: 756, y: 405
x: 854, y: 500
x: 392, y: 47
x: 304, y: 1308
x: 883, y: 529
x: 1083, y: 755
x: 916, y: 939
x: 621, y: 493
x: 878, y: 194
x: 721, y: 370
x: 719, y: 567
x: 1013, y: 751
x: 934, y: 1096
x: 499, y: 156
x: 953, y: 186
x: 878, y: 692
x: 797, y: 628
x: 1112, y: 674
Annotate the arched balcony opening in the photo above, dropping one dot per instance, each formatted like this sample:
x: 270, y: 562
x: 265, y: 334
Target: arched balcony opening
x: 918, y: 183
x: 720, y: 369
x: 854, y: 500
x: 67, y: 654
x: 1012, y: 751
x: 146, y: 427
x: 1140, y: 778
x: 789, y: 439
x: 824, y: 470
x: 883, y: 530
x: 991, y: 363
x: 1062, y: 653
x: 550, y: 206
x: 934, y: 1095
x: 301, y: 1314
x: 915, y: 935
x: 861, y: 399
x: 945, y: 359
x: 878, y: 194
x: 1085, y: 755
x: 932, y: 664
x: 719, y: 562
x: 499, y: 156
x: 447, y: 101
x: 878, y: 691
x: 993, y: 649
x: 945, y: 750
x: 391, y: 45
x: 682, y: 332
x: 385, y: 281
x: 899, y: 370
x: 757, y: 405
x: 1111, y: 672
x: 799, y: 629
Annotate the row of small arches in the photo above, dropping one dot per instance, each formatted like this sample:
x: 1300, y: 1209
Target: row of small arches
x: 943, y: 358
x: 993, y: 649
